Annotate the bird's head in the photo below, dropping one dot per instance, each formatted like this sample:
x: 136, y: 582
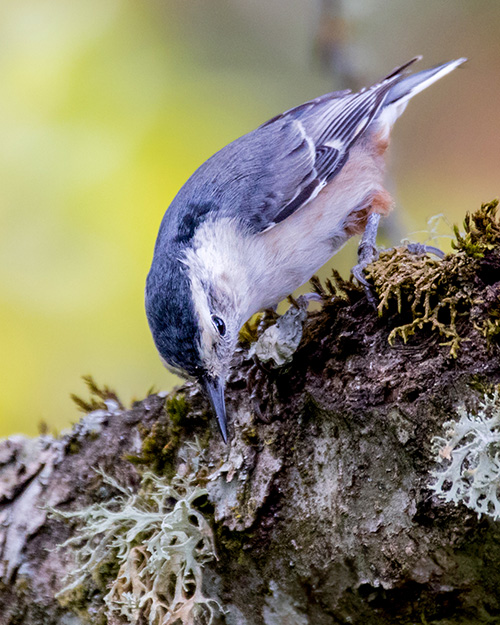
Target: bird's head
x: 195, y: 327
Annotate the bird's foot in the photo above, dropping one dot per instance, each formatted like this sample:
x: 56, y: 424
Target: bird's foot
x: 420, y: 248
x: 366, y: 256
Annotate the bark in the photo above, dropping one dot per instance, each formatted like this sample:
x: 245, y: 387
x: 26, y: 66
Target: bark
x: 321, y: 506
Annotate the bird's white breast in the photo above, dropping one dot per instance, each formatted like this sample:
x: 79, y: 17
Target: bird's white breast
x: 287, y: 255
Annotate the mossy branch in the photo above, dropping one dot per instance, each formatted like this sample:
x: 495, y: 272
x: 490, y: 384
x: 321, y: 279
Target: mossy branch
x: 321, y: 509
x: 441, y: 295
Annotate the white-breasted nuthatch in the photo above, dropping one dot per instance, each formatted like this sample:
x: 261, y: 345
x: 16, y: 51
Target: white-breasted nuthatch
x: 263, y: 214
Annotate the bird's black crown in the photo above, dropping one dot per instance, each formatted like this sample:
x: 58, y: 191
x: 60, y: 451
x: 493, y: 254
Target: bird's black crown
x: 171, y: 315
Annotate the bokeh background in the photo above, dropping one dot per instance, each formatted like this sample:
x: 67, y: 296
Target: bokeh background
x: 107, y: 106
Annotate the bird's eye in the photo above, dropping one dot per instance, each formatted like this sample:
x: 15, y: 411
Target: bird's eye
x: 219, y: 324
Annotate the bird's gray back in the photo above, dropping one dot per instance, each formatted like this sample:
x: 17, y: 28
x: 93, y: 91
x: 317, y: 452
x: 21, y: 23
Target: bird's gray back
x: 263, y: 177
x: 248, y: 180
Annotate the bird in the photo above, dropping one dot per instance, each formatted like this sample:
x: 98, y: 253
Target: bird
x: 262, y: 215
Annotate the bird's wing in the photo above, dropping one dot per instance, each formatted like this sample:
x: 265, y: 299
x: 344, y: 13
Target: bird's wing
x: 289, y: 159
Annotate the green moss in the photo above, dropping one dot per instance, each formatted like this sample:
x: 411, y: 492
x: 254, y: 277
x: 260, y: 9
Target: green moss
x: 481, y: 232
x: 239, y: 547
x: 232, y: 546
x: 481, y: 385
x: 158, y: 448
x: 249, y: 333
x: 98, y: 396
x: 74, y: 446
x: 205, y: 437
x: 105, y: 572
x: 250, y: 437
x: 161, y: 443
x: 177, y: 409
x: 418, y: 288
x: 436, y: 296
x: 256, y: 325
x: 22, y: 585
x: 80, y: 599
x: 334, y: 288
x: 490, y: 329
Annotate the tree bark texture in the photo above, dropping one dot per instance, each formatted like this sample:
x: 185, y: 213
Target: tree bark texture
x: 320, y: 506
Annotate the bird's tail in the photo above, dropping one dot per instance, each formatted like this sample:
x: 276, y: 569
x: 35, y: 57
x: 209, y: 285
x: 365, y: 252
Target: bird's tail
x: 415, y: 83
x: 398, y: 96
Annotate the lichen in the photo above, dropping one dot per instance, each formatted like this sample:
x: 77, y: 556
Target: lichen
x: 81, y: 602
x: 437, y: 295
x: 469, y: 458
x: 159, y: 542
x: 277, y: 344
x: 255, y: 326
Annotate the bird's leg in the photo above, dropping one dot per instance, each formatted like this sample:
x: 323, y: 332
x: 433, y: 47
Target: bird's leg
x: 367, y: 253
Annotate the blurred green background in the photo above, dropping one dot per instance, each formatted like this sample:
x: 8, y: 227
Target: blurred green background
x: 107, y: 106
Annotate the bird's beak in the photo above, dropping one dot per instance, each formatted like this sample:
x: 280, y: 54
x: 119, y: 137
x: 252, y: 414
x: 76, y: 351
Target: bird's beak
x: 215, y: 392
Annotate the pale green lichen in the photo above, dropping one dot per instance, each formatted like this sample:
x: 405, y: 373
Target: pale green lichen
x: 278, y: 343
x: 469, y: 458
x: 158, y: 541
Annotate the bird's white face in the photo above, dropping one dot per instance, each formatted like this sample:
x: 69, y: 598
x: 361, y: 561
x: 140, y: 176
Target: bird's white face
x: 219, y: 328
x: 218, y: 292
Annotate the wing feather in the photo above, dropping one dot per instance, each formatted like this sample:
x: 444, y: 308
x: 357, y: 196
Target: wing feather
x: 332, y: 135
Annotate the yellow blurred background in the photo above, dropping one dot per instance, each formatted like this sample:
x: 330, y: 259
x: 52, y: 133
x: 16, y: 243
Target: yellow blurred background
x: 107, y: 106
